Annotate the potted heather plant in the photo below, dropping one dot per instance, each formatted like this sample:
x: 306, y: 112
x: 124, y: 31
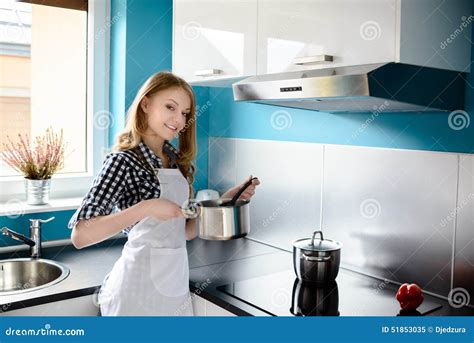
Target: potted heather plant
x: 37, y: 162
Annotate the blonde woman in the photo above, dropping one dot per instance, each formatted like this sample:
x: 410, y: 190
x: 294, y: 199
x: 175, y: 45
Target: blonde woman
x: 148, y: 180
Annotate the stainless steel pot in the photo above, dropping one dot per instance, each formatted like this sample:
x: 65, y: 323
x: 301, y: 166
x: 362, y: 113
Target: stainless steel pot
x: 316, y: 260
x: 221, y: 219
x: 216, y: 222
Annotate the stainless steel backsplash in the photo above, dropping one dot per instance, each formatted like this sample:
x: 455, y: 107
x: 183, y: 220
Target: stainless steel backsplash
x: 401, y: 215
x: 464, y: 221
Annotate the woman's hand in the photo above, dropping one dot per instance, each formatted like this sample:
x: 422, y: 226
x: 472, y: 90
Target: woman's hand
x: 162, y: 209
x: 247, y: 194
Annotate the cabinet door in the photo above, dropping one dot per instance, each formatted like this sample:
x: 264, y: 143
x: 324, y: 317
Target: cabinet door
x: 212, y: 310
x: 202, y: 307
x: 80, y: 306
x: 199, y: 305
x: 214, y: 40
x: 297, y: 34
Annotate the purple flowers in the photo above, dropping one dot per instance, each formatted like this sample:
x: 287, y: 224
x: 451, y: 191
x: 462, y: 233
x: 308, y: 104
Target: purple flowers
x: 38, y: 161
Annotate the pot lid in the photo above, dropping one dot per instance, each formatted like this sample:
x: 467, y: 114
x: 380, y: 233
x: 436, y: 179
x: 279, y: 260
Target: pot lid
x: 313, y: 244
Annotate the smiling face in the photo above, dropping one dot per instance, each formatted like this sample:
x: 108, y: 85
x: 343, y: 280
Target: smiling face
x: 166, y: 112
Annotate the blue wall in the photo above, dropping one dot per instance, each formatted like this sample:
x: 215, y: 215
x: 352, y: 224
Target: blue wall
x: 423, y: 131
x: 203, y: 111
x: 118, y: 34
x: 140, y: 45
x: 57, y: 229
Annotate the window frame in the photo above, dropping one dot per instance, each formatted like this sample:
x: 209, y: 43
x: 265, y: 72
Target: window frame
x: 97, y: 90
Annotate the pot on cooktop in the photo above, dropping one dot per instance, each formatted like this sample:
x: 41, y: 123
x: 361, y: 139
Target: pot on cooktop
x: 316, y: 260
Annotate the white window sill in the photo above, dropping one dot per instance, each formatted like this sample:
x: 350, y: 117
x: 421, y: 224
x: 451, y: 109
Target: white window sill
x: 18, y: 208
x: 64, y: 188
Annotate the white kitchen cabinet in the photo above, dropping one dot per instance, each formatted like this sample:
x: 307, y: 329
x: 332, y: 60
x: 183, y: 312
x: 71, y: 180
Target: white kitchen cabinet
x: 203, y: 307
x: 87, y: 306
x: 212, y: 310
x: 296, y: 34
x: 214, y: 40
x: 199, y: 305
x: 217, y: 42
x: 80, y: 306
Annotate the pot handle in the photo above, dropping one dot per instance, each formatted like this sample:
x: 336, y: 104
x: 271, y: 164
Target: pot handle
x: 317, y: 258
x: 191, y: 209
x: 314, y: 235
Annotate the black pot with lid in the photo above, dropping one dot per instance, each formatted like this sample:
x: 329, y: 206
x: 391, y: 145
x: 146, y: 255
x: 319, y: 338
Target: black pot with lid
x: 316, y: 260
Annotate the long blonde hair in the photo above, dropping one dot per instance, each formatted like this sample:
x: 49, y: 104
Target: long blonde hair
x: 137, y: 123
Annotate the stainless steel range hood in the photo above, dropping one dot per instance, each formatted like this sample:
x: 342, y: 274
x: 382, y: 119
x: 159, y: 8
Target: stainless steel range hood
x: 391, y: 87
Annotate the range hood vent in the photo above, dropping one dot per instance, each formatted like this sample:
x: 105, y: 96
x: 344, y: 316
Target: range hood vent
x: 391, y: 87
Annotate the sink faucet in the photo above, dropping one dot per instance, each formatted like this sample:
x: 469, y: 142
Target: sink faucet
x: 35, y: 236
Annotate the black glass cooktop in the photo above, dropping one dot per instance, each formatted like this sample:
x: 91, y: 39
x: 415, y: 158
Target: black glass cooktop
x: 352, y: 294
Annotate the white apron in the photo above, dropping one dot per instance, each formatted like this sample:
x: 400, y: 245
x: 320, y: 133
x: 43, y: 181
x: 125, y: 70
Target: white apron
x: 151, y: 278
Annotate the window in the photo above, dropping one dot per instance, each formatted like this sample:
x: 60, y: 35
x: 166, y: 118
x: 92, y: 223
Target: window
x: 43, y: 79
x: 54, y: 66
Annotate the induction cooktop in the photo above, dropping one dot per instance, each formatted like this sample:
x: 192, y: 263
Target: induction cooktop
x: 352, y: 294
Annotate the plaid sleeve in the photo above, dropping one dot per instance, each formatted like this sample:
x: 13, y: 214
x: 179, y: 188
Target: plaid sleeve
x: 106, y: 190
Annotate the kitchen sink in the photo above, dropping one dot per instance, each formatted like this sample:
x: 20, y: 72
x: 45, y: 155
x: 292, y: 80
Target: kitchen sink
x: 21, y: 275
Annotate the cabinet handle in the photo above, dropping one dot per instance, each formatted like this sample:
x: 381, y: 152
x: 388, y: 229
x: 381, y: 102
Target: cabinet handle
x: 312, y: 59
x: 207, y: 72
